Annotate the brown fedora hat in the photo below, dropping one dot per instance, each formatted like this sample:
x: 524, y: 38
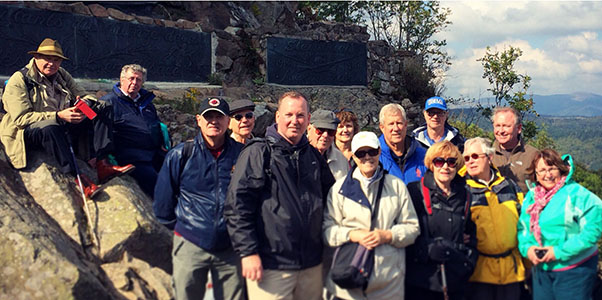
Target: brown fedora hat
x: 49, y: 47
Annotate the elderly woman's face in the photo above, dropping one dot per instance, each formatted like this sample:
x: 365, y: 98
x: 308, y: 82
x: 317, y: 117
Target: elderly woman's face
x: 366, y: 159
x: 547, y: 176
x: 444, y: 169
x: 344, y: 132
x: 476, y: 161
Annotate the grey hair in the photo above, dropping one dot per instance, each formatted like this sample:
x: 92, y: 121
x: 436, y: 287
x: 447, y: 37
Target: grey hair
x: 134, y: 68
x: 484, y: 142
x: 391, y: 108
x: 504, y: 109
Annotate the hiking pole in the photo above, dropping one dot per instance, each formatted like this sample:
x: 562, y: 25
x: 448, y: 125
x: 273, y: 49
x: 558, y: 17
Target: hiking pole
x: 444, y: 282
x: 81, y: 189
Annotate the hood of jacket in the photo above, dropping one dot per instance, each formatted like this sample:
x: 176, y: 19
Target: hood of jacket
x: 568, y: 159
x: 421, y: 132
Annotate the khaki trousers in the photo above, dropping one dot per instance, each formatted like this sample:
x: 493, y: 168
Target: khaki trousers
x: 303, y: 284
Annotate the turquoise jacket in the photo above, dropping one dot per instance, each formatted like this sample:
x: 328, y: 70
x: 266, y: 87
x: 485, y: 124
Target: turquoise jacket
x: 571, y: 222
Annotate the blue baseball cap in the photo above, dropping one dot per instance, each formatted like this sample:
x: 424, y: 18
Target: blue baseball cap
x: 435, y: 102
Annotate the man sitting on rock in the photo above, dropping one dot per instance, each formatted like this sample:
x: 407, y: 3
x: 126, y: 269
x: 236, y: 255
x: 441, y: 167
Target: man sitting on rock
x: 40, y: 109
x: 136, y: 127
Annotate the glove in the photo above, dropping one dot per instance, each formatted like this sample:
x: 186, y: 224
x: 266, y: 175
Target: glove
x: 440, y: 250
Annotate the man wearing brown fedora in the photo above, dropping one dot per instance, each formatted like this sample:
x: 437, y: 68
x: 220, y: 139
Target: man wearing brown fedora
x: 44, y: 111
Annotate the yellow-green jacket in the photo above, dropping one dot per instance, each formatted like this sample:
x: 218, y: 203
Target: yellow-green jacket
x: 495, y: 210
x: 25, y: 105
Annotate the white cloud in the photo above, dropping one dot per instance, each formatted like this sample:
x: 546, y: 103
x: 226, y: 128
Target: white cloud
x: 560, y: 41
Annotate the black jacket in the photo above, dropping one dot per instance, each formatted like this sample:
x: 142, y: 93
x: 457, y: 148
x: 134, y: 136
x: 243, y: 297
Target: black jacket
x: 450, y: 219
x: 136, y: 131
x: 275, y: 202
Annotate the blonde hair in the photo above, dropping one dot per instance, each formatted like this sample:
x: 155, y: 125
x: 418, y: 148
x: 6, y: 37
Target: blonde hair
x: 443, y: 149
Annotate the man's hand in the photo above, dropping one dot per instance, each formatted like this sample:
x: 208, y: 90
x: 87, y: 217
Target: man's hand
x: 71, y: 115
x: 251, y: 267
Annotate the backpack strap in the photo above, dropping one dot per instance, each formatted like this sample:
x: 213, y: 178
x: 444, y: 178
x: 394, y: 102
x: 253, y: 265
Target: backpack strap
x: 427, y: 197
x: 28, y: 82
x: 186, y: 153
x: 377, y: 200
x: 28, y: 86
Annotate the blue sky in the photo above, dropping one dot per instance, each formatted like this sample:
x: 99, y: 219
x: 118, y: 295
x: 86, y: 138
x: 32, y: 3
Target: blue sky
x: 561, y: 43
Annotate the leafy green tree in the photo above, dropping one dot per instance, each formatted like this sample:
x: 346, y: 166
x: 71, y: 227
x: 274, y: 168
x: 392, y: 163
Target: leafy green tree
x: 590, y: 180
x: 405, y: 25
x: 337, y: 11
x: 508, y: 86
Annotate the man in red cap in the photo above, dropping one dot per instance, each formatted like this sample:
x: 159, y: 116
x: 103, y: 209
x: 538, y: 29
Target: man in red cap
x: 41, y: 113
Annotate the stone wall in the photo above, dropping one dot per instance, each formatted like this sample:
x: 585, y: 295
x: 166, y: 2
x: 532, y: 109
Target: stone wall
x: 241, y: 30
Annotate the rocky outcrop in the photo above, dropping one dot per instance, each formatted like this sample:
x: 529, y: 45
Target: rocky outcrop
x: 50, y: 250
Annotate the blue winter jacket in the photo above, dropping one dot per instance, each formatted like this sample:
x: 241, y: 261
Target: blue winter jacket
x: 136, y: 131
x: 413, y: 166
x: 191, y: 200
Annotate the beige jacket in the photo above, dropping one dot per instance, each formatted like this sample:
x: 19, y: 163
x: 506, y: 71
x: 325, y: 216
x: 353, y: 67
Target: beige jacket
x: 396, y: 213
x: 515, y: 165
x: 25, y: 107
x: 337, y: 162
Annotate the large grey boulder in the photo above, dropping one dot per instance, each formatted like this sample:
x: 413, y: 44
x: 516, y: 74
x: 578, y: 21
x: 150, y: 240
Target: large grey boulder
x: 49, y: 248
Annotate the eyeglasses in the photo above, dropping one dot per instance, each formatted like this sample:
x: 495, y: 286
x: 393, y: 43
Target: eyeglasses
x: 320, y: 131
x: 439, y: 162
x: 544, y: 171
x: 247, y: 116
x: 362, y: 153
x: 474, y: 156
x: 432, y: 113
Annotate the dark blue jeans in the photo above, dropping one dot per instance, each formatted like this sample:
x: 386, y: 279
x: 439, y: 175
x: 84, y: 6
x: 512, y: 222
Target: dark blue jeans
x: 575, y: 284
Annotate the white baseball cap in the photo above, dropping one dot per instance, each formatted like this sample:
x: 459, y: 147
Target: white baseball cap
x: 364, y: 139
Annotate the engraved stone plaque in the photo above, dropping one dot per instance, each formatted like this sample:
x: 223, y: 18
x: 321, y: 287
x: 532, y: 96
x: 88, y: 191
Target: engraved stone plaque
x: 98, y: 47
x: 305, y: 62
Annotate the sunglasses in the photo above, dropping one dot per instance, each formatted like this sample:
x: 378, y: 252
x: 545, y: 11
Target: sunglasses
x: 362, y: 153
x: 439, y: 162
x: 432, y: 113
x: 320, y: 131
x: 474, y: 156
x: 247, y: 116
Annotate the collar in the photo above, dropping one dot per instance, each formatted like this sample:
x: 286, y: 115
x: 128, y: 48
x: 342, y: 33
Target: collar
x: 520, y: 146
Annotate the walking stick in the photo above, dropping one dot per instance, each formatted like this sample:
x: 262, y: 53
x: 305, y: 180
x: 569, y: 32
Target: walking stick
x: 81, y: 189
x: 444, y: 282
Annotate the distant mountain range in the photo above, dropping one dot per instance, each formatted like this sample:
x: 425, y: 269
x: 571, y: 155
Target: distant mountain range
x: 576, y: 104
x: 560, y: 105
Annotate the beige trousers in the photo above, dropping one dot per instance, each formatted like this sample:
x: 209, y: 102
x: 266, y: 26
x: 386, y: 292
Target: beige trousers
x: 303, y: 284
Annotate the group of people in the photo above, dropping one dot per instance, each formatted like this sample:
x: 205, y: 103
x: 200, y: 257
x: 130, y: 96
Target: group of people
x: 455, y: 218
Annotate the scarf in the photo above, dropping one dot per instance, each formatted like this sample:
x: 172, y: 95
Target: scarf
x: 541, y: 199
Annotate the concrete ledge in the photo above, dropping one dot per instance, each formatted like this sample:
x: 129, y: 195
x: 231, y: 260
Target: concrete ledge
x: 107, y: 84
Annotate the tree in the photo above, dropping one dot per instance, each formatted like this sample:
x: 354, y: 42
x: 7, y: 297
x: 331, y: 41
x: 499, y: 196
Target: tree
x: 404, y: 25
x: 337, y: 11
x: 508, y: 86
